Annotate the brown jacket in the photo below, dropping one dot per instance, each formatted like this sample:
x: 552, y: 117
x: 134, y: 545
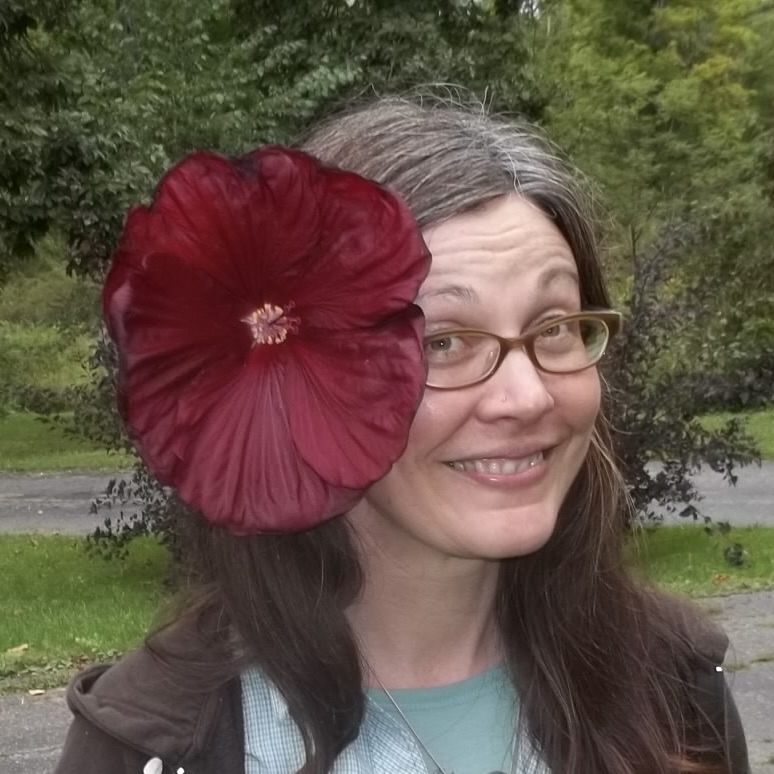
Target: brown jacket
x: 134, y: 712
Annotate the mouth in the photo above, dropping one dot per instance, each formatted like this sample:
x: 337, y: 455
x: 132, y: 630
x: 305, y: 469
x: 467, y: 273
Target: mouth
x: 498, y: 466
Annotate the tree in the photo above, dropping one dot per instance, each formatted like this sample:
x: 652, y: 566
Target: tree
x: 145, y: 83
x: 35, y: 86
x: 102, y: 97
x: 657, y: 103
x: 661, y: 105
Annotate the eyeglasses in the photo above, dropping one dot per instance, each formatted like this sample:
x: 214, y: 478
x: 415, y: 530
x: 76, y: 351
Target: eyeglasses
x: 563, y: 345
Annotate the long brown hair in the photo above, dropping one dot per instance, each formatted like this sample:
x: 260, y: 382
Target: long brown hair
x: 584, y: 642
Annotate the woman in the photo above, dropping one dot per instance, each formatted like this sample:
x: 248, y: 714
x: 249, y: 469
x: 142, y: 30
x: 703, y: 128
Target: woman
x: 470, y: 610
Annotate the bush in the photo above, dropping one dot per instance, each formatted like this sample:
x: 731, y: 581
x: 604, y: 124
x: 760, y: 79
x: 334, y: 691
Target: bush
x: 746, y: 382
x: 655, y: 404
x: 740, y: 357
x: 137, y: 508
x: 44, y: 294
x: 41, y: 365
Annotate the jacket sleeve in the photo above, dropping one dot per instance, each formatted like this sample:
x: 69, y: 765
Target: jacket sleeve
x: 735, y: 738
x: 723, y: 726
x: 87, y: 750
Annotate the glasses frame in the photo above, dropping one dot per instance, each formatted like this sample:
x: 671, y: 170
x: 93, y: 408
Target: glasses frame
x: 611, y: 319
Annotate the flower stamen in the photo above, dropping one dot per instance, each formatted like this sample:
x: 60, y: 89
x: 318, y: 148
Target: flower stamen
x: 271, y: 324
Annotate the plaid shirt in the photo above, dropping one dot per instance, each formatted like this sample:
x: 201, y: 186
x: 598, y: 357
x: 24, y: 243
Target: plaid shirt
x: 273, y: 743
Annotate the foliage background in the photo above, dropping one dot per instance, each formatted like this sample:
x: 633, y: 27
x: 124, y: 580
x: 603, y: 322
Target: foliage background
x: 668, y: 107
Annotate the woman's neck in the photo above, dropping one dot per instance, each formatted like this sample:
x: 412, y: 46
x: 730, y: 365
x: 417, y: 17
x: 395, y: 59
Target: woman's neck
x: 425, y: 624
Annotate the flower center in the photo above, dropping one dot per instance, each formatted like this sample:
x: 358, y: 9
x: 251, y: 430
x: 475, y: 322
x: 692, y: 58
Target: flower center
x: 271, y: 324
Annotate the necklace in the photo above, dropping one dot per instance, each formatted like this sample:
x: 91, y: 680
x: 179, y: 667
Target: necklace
x: 403, y: 717
x: 439, y: 769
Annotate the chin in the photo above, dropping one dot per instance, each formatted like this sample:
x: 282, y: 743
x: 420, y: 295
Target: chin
x: 519, y: 534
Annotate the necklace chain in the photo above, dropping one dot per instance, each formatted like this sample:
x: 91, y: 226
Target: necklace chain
x: 411, y: 728
x: 417, y: 737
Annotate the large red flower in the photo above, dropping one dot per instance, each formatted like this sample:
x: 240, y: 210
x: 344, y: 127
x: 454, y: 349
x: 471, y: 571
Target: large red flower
x: 270, y: 355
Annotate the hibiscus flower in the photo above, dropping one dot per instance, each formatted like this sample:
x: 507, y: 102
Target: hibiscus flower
x: 270, y: 354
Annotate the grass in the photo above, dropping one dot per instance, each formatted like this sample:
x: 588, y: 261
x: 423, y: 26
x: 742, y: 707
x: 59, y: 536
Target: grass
x: 686, y: 560
x: 43, y: 356
x: 62, y: 608
x: 759, y: 424
x: 28, y: 445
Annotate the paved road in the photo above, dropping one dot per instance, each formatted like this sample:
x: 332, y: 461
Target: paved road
x: 60, y: 502
x: 51, y: 502
x: 32, y: 728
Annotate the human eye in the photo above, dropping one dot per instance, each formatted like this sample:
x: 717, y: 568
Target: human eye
x: 449, y: 347
x: 558, y: 332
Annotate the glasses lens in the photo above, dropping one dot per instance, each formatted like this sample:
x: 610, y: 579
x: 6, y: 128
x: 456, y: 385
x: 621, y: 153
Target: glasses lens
x: 455, y: 359
x: 570, y: 345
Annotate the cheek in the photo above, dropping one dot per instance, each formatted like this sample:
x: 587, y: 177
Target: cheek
x: 437, y: 417
x: 580, y: 400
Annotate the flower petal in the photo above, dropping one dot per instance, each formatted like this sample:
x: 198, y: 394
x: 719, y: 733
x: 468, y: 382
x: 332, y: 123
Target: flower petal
x: 349, y: 396
x: 248, y: 223
x: 371, y: 257
x: 172, y: 324
x: 243, y: 470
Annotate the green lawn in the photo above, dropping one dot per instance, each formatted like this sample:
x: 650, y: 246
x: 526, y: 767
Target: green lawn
x: 30, y: 445
x: 62, y: 608
x: 759, y: 424
x: 687, y: 560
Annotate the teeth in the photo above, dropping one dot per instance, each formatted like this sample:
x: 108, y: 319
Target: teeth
x: 498, y: 467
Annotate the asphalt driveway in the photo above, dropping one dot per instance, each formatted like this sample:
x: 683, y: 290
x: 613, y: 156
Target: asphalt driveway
x: 60, y: 502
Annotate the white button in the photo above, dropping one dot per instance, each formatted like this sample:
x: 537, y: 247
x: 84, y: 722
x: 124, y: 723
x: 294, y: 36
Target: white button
x: 181, y: 770
x: 718, y: 669
x: 153, y: 766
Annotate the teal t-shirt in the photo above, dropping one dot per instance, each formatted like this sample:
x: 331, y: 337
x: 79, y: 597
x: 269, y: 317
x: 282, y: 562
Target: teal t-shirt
x: 467, y: 726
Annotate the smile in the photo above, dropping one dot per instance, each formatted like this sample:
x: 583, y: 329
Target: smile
x: 497, y: 466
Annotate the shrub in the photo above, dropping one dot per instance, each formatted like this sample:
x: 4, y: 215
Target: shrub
x: 654, y: 406
x: 41, y: 365
x: 745, y: 382
x: 739, y: 374
x: 44, y: 294
x: 136, y: 508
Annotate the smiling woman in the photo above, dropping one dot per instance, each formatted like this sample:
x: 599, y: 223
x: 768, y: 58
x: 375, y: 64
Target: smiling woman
x: 404, y: 519
x: 508, y: 446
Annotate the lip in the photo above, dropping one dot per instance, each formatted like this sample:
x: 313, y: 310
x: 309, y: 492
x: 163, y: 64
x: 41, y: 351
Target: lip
x: 506, y: 452
x: 519, y: 480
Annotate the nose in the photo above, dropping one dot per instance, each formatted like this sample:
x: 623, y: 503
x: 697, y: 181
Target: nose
x: 517, y: 390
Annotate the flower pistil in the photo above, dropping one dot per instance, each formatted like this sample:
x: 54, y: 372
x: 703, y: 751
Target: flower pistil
x: 271, y: 324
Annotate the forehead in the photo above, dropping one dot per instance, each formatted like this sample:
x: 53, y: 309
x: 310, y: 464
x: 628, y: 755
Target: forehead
x: 507, y: 244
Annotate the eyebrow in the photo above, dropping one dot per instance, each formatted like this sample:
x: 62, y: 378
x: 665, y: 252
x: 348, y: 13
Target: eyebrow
x: 458, y: 292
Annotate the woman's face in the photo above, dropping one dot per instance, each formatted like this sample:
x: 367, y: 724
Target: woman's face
x: 487, y: 467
